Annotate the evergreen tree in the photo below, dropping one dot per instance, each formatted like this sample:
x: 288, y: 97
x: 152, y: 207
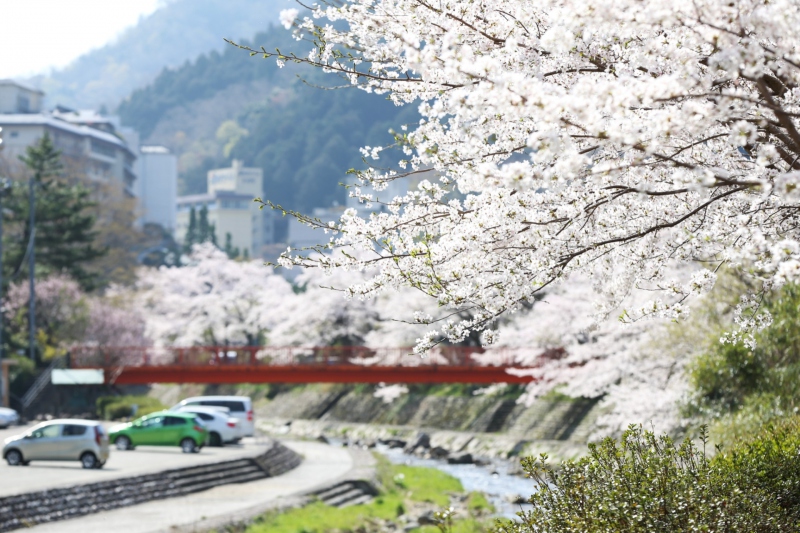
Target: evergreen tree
x: 191, y: 233
x: 206, y: 232
x: 212, y: 233
x: 65, y: 225
x: 232, y: 251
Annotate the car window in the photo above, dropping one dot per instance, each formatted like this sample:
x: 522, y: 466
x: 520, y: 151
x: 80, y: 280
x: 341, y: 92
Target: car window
x: 205, y: 416
x: 156, y: 421
x: 174, y: 421
x: 234, y: 406
x: 47, y: 432
x: 72, y: 430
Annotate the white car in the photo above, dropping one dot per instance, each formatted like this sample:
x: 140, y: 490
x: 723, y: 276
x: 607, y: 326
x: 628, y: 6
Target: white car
x: 240, y: 407
x: 8, y: 417
x: 222, y: 428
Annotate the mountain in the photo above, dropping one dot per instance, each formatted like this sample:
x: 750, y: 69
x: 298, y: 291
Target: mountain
x: 178, y: 31
x: 289, y: 121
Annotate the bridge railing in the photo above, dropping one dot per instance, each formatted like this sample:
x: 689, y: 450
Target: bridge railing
x: 111, y: 357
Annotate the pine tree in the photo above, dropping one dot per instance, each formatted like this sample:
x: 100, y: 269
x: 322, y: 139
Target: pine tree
x: 191, y: 233
x: 65, y: 226
x: 204, y: 229
x: 232, y: 251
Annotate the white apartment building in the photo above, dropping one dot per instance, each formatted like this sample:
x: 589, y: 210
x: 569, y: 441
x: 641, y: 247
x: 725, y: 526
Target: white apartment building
x: 157, y: 186
x: 90, y: 141
x: 231, y: 208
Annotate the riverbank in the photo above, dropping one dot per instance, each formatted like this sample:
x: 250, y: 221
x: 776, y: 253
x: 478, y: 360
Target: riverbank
x: 407, y: 499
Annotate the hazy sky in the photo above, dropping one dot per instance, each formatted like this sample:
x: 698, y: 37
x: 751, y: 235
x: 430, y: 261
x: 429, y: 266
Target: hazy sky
x: 37, y: 35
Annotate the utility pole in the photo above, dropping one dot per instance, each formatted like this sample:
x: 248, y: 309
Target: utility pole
x: 5, y: 186
x: 31, y: 271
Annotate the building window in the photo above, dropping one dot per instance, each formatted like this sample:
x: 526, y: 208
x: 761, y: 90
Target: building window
x: 102, y: 148
x: 14, y: 134
x: 23, y: 104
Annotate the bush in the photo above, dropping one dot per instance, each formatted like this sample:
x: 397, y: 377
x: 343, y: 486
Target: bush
x: 116, y: 407
x: 769, y: 462
x: 649, y: 483
x: 727, y: 376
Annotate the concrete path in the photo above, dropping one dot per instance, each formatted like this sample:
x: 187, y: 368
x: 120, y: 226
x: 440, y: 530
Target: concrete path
x: 322, y: 465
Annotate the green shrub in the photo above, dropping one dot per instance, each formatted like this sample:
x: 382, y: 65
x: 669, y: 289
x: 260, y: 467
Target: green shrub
x: 769, y: 463
x: 727, y: 376
x: 647, y: 483
x: 116, y: 407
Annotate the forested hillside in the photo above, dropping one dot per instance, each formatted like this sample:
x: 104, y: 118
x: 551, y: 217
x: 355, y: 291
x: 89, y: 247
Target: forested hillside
x: 178, y: 31
x: 230, y: 105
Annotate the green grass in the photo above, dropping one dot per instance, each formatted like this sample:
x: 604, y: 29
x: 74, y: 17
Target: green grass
x: 477, y: 503
x: 469, y: 525
x: 426, y: 484
x: 319, y: 518
x: 401, y: 484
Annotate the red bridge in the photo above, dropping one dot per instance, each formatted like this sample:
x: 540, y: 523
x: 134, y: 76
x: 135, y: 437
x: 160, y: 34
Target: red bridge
x: 330, y: 364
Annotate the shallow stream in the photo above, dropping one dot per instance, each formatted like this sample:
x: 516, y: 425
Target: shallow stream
x: 493, y: 479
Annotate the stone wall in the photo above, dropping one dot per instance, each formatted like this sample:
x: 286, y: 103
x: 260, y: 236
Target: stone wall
x: 546, y: 419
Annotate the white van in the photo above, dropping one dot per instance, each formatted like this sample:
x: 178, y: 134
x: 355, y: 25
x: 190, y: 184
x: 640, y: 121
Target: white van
x: 240, y: 407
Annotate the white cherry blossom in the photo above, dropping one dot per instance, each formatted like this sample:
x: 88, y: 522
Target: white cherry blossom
x: 613, y: 139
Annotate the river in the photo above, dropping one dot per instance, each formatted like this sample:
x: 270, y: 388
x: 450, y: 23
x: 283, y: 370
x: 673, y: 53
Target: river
x: 493, y: 479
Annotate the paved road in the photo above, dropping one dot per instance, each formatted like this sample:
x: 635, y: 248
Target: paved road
x: 41, y: 475
x: 214, y: 508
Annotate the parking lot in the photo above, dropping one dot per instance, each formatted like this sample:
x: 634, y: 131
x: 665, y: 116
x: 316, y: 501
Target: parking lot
x: 144, y: 459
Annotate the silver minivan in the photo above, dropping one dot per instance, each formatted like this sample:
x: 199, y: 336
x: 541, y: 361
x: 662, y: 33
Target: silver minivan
x: 59, y: 440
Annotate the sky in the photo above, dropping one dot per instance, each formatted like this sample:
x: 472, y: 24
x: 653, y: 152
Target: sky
x: 39, y: 35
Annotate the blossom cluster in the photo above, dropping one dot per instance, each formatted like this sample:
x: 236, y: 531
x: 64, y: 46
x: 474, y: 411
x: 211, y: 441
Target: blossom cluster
x: 611, y: 139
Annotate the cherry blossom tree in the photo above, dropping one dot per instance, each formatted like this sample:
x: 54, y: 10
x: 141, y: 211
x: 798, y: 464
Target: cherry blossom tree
x: 212, y: 300
x: 611, y: 138
x: 66, y: 316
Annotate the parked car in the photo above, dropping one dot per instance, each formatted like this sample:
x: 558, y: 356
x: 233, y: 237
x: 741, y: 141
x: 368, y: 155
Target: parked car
x: 240, y: 407
x: 59, y: 440
x: 8, y: 417
x: 163, y: 428
x: 221, y: 426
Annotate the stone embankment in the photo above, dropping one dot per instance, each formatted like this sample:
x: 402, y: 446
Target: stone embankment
x: 26, y: 510
x: 481, y: 426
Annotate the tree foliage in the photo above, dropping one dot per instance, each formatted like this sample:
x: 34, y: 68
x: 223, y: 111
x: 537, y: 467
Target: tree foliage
x: 66, y: 237
x: 744, y: 386
x: 610, y: 138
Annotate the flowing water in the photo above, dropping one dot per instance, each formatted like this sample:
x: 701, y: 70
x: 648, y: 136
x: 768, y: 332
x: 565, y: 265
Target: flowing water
x: 493, y: 479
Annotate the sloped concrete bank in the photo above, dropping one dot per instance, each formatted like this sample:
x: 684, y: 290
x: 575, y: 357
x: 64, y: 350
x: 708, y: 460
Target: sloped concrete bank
x: 29, y: 509
x: 480, y: 425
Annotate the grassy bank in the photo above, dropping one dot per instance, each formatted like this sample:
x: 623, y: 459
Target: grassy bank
x: 406, y: 493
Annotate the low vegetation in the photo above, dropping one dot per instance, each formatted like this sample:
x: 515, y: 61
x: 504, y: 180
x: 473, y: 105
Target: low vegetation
x: 118, y: 407
x: 738, y: 388
x: 649, y: 483
x: 404, y: 489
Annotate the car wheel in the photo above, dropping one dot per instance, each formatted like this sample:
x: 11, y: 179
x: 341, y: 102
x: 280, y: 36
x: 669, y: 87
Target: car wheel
x: 99, y: 465
x: 89, y: 460
x: 123, y: 443
x: 14, y: 458
x: 188, y: 445
x: 214, y: 440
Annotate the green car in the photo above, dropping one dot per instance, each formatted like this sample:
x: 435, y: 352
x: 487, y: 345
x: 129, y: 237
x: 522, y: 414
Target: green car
x: 165, y: 428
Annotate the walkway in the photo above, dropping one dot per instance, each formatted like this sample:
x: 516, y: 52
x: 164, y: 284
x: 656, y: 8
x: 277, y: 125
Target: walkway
x: 321, y: 466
